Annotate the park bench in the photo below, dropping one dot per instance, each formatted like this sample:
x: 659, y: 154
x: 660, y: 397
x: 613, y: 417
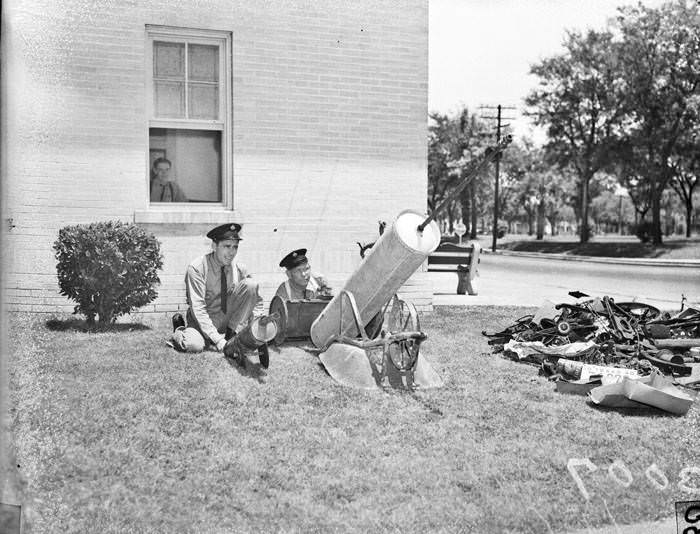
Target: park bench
x: 460, y: 259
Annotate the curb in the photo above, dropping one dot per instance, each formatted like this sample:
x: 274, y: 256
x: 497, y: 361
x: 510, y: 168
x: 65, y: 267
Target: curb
x: 599, y: 259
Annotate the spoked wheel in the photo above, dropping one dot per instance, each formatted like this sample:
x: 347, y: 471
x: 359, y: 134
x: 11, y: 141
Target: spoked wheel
x: 279, y: 306
x: 404, y: 353
x: 402, y: 317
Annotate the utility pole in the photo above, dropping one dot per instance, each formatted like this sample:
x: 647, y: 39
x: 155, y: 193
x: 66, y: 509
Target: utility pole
x: 498, y: 118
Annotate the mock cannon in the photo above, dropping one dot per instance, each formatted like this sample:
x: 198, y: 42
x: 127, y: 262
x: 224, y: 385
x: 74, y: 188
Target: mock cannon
x: 366, y: 335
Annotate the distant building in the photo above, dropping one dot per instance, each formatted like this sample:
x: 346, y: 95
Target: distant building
x: 304, y: 121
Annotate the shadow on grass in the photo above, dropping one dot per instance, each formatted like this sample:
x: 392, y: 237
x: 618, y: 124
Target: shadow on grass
x: 81, y: 325
x: 649, y: 411
x: 601, y: 249
x: 250, y: 370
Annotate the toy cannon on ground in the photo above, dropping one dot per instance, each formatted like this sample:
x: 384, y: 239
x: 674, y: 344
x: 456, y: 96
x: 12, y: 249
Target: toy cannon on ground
x: 392, y: 356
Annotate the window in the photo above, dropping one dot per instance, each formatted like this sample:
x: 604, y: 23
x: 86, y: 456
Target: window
x: 189, y: 116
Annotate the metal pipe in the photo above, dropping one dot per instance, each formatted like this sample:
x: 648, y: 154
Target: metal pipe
x: 487, y: 157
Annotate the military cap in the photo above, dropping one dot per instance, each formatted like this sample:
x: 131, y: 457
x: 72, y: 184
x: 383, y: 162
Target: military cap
x: 225, y: 231
x: 294, y: 259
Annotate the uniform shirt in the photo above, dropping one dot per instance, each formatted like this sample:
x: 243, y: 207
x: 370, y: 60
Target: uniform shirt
x: 203, y: 288
x: 315, y: 284
x: 166, y: 192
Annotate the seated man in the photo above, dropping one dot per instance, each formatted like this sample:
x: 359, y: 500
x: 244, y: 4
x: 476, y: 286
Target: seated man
x: 163, y: 189
x: 221, y: 296
x: 300, y: 283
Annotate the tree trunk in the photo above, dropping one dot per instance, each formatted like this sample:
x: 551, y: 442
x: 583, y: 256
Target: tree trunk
x: 553, y: 221
x: 656, y: 237
x: 464, y: 202
x: 585, y: 232
x: 540, y: 221
x: 472, y: 201
x: 688, y: 217
x: 450, y: 219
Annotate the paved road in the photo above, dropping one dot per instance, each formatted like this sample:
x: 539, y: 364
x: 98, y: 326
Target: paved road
x: 525, y: 281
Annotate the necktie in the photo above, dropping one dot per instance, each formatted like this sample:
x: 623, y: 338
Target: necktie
x: 223, y: 289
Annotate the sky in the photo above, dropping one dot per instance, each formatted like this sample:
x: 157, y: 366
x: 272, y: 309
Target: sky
x: 481, y: 50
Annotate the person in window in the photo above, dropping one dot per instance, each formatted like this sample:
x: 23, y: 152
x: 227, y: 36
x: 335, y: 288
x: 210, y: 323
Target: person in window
x: 300, y: 283
x: 221, y: 296
x: 163, y: 189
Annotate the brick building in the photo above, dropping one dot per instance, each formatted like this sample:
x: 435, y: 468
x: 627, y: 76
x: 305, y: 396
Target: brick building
x: 303, y: 120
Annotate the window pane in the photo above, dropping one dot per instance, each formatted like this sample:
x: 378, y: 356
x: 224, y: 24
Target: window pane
x: 195, y: 171
x: 204, y: 101
x: 169, y: 60
x: 203, y: 63
x: 169, y: 99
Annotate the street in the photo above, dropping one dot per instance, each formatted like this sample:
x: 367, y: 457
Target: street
x: 525, y: 281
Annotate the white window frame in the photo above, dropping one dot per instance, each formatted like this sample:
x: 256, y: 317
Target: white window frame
x: 222, y: 39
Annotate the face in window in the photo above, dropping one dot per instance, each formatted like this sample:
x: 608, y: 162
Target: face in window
x: 225, y: 251
x: 300, y: 275
x: 162, y: 170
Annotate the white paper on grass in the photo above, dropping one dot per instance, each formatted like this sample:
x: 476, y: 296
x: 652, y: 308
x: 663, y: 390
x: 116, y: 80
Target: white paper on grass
x: 523, y: 349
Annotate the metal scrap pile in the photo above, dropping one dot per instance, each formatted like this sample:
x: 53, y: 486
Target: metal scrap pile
x: 599, y: 331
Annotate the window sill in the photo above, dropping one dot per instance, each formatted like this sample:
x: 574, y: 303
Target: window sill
x: 174, y: 215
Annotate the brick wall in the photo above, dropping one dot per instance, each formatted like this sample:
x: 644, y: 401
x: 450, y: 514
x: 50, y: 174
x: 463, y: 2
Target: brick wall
x: 329, y: 131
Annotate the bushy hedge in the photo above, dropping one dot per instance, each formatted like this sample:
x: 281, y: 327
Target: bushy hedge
x: 108, y: 268
x: 644, y: 231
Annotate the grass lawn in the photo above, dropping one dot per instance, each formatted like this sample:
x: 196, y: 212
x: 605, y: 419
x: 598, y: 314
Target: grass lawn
x: 115, y: 432
x: 678, y: 248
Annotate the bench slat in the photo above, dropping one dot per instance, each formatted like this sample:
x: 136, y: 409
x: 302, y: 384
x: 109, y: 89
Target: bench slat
x: 448, y: 260
x: 445, y: 269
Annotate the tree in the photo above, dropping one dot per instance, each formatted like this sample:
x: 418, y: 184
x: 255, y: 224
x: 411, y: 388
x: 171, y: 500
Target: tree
x: 659, y: 53
x: 532, y: 187
x: 575, y: 103
x: 686, y: 167
x: 441, y: 150
x: 453, y: 145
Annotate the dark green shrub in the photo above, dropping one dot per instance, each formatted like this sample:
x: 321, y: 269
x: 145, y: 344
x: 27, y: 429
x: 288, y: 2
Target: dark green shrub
x: 502, y: 229
x: 108, y: 268
x: 643, y: 231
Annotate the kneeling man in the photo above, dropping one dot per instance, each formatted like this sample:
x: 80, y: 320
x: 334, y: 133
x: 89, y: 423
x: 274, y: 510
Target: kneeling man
x: 300, y: 283
x: 221, y: 296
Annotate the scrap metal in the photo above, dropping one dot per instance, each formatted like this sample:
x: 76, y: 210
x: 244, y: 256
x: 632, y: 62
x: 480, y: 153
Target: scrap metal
x: 627, y: 334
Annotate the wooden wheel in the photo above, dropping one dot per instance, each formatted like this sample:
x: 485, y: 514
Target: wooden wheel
x: 279, y: 306
x: 403, y: 317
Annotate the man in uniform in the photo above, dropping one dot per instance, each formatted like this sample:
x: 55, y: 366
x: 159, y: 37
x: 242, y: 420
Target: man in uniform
x: 221, y: 296
x: 300, y: 283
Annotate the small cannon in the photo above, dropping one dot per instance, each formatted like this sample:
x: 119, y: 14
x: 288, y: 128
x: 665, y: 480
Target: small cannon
x: 366, y: 335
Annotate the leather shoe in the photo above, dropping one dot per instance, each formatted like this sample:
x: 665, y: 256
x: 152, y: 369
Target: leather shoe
x: 178, y: 321
x: 232, y: 350
x: 264, y: 355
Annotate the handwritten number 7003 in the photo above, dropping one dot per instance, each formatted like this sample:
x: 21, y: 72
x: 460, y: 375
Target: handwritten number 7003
x: 618, y: 472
